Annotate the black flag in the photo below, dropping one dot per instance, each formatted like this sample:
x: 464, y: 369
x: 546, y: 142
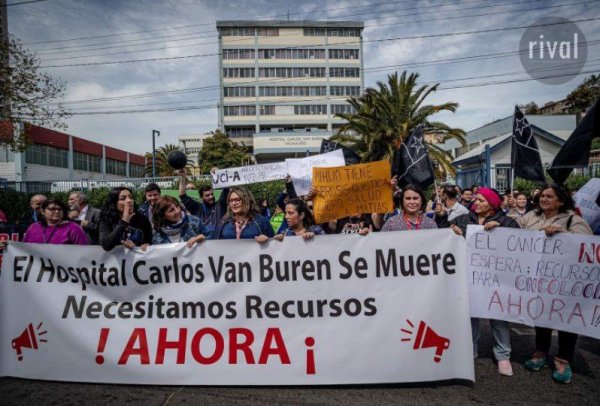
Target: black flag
x: 412, y: 163
x: 350, y: 156
x: 525, y: 155
x: 575, y: 153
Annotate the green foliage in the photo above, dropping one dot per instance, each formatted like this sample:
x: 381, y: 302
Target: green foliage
x: 529, y: 108
x: 162, y: 164
x: 267, y: 190
x: 220, y: 151
x: 576, y: 181
x: 525, y: 186
x: 573, y: 182
x: 13, y: 204
x: 26, y: 94
x: 388, y: 114
x: 584, y: 95
x: 596, y: 143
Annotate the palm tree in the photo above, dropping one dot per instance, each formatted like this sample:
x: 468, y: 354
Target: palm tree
x: 162, y: 164
x: 384, y: 116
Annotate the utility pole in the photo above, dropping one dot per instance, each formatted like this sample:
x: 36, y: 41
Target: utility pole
x: 157, y: 134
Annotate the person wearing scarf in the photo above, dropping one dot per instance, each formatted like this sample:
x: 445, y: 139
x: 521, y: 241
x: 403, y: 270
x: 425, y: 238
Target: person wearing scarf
x: 487, y: 212
x: 172, y: 224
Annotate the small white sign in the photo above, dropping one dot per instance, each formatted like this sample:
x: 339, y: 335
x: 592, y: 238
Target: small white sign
x: 300, y: 169
x: 245, y: 175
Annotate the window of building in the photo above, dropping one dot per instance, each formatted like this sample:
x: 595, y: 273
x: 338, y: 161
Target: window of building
x: 136, y: 171
x: 310, y: 109
x: 238, y: 54
x: 238, y: 72
x: 46, y: 155
x: 291, y: 72
x: 238, y: 132
x: 266, y: 91
x: 245, y: 91
x: 115, y: 167
x: 343, y: 32
x: 286, y: 53
x: 342, y: 109
x: 86, y: 162
x: 344, y: 90
x: 267, y: 110
x: 343, y: 54
x: 237, y: 32
x: 315, y: 32
x: 344, y: 72
x: 268, y: 32
x: 6, y: 155
x: 239, y: 110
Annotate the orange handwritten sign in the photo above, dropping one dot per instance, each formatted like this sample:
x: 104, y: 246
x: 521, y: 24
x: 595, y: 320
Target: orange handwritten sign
x: 346, y: 190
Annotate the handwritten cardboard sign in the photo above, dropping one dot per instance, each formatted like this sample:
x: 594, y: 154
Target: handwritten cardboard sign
x: 245, y: 175
x: 346, y: 190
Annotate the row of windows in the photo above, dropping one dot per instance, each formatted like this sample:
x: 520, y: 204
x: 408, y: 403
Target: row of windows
x: 303, y: 109
x: 246, y: 91
x: 292, y: 91
x: 114, y: 167
x: 136, y: 171
x: 332, y: 32
x: 241, y: 132
x: 6, y: 155
x: 269, y: 91
x: 45, y: 155
x: 344, y: 72
x: 86, y: 162
x: 291, y: 72
x: 249, y: 32
x: 290, y: 54
x: 238, y: 72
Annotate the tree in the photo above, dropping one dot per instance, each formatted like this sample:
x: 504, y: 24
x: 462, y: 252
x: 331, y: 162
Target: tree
x: 162, y: 164
x: 387, y: 114
x: 529, y: 108
x: 220, y: 151
x: 26, y: 94
x: 584, y: 95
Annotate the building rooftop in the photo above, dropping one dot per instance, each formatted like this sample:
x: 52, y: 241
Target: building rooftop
x: 288, y: 24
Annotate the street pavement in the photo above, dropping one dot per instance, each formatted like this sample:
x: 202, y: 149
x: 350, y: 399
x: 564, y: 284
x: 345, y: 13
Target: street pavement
x: 490, y: 387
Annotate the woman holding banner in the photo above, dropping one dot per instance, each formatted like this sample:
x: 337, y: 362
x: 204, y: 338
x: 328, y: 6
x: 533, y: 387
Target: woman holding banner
x: 488, y: 213
x: 172, y: 224
x: 243, y: 219
x: 554, y: 215
x: 411, y: 215
x: 55, y: 226
x: 300, y: 221
x: 121, y: 223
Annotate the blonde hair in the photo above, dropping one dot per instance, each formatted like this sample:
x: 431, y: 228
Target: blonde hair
x: 249, y: 205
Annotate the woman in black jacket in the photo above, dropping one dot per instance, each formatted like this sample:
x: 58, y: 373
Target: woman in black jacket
x: 488, y: 213
x: 121, y: 223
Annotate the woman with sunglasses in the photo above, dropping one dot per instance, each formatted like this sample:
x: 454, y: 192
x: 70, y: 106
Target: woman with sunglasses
x: 243, y: 219
x: 55, y: 226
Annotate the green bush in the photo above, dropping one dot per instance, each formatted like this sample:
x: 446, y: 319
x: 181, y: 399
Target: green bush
x: 14, y: 204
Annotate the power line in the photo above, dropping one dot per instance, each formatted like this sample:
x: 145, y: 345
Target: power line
x: 340, y: 43
x: 378, y: 25
x: 23, y: 2
x: 280, y: 80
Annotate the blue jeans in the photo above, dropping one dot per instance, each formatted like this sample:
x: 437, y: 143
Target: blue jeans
x: 500, y: 334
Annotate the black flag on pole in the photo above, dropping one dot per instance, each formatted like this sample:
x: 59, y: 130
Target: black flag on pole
x: 350, y: 156
x: 575, y: 153
x: 412, y: 163
x: 525, y: 155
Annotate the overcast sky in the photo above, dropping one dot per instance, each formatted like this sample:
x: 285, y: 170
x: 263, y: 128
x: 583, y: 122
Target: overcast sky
x: 125, y: 30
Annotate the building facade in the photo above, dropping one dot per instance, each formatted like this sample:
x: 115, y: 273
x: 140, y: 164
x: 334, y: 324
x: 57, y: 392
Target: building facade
x: 282, y: 82
x: 56, y: 156
x: 191, y: 144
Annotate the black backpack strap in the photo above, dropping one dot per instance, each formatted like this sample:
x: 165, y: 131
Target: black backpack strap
x: 569, y: 221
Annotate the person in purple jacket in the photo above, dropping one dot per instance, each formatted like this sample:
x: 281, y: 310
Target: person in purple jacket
x: 55, y: 226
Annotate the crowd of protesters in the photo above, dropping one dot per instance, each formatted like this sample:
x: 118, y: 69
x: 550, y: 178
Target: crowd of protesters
x: 236, y: 214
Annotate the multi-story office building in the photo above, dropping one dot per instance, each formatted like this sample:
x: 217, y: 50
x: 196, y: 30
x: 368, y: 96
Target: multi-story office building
x: 282, y: 82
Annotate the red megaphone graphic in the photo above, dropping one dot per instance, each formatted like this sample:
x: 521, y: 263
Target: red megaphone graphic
x: 427, y: 338
x: 27, y: 339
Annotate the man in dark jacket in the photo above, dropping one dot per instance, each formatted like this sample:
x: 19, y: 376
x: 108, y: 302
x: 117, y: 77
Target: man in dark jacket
x: 85, y: 215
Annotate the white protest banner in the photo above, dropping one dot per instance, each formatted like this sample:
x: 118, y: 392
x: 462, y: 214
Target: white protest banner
x: 585, y: 200
x: 300, y: 169
x: 245, y: 175
x: 388, y: 307
x: 525, y: 277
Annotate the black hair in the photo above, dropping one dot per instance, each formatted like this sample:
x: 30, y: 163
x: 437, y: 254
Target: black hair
x: 151, y: 187
x: 60, y: 203
x: 302, y: 208
x: 416, y: 189
x: 203, y: 189
x: 110, y: 212
x: 450, y: 191
x: 564, y: 196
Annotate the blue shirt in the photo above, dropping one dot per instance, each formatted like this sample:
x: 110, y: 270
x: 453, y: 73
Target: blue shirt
x: 255, y: 227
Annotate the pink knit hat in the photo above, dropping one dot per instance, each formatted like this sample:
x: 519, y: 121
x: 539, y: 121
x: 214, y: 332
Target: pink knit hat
x: 491, y: 196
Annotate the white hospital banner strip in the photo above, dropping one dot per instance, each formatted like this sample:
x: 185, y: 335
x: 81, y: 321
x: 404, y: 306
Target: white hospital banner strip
x: 389, y: 307
x: 526, y: 277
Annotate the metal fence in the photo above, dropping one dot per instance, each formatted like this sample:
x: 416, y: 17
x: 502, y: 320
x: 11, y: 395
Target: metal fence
x: 88, y: 184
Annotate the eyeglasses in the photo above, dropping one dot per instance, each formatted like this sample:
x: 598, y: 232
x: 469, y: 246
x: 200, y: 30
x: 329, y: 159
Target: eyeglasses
x: 54, y: 209
x: 235, y: 201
